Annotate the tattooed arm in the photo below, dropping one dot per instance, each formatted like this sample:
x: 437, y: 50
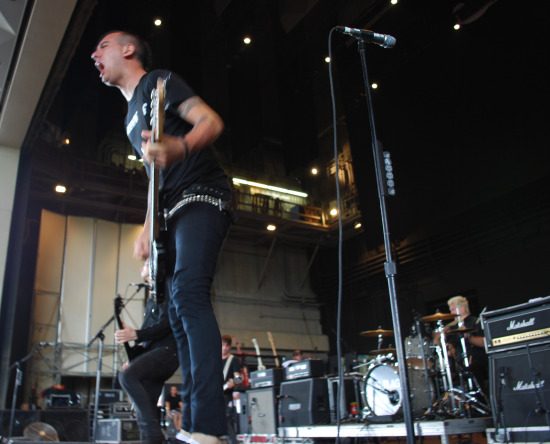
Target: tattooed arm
x: 207, y: 127
x: 207, y: 124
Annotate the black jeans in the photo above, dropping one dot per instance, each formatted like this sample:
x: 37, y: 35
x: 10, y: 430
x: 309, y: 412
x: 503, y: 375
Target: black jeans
x: 144, y: 380
x: 196, y: 234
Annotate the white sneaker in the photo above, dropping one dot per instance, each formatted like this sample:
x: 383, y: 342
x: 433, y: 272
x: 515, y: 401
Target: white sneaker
x: 185, y: 436
x: 202, y: 438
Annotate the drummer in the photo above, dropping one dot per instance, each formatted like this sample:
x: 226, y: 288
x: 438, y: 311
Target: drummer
x: 475, y: 341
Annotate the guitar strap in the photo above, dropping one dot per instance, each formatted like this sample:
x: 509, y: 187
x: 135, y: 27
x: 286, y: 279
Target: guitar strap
x: 226, y: 367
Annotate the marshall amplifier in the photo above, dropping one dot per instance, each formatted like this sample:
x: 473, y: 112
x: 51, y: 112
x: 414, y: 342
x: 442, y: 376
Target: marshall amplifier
x: 272, y: 377
x: 520, y: 387
x: 515, y: 327
x: 310, y: 368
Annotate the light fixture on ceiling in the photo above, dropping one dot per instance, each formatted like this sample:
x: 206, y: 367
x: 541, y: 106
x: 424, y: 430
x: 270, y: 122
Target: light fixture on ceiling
x: 60, y: 189
x: 269, y: 187
x: 271, y: 227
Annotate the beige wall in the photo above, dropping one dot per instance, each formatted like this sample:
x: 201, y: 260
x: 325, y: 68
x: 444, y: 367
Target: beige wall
x: 8, y: 177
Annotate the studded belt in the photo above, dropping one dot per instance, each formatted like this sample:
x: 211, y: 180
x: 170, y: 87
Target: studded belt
x: 223, y: 205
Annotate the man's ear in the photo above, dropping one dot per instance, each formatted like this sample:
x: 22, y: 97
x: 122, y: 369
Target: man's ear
x: 128, y: 50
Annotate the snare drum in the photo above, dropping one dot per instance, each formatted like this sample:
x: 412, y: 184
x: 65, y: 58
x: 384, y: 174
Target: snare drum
x: 414, y: 345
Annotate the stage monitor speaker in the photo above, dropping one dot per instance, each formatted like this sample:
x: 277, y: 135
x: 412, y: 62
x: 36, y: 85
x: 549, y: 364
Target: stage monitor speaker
x: 22, y: 419
x: 70, y: 424
x: 304, y: 402
x: 520, y: 386
x: 262, y: 410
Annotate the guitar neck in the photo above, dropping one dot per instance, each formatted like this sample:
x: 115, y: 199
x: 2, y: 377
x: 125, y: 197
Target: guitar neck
x: 257, y: 348
x: 118, y: 307
x: 272, y: 342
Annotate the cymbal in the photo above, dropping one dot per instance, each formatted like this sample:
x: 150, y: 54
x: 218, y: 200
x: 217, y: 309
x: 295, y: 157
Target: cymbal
x: 382, y: 351
x: 460, y: 331
x: 379, y: 332
x: 438, y: 317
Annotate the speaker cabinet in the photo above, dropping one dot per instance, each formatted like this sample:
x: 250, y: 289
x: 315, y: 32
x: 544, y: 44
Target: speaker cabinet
x: 22, y: 419
x: 520, y: 386
x: 240, y: 401
x: 262, y: 410
x: 70, y: 424
x: 304, y: 402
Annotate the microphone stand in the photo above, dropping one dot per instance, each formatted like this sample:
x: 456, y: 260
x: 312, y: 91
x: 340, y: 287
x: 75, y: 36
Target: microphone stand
x: 18, y: 381
x: 99, y: 335
x: 389, y: 266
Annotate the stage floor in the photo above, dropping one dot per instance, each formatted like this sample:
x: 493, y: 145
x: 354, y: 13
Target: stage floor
x: 440, y: 430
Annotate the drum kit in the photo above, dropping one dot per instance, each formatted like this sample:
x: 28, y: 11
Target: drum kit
x: 441, y: 384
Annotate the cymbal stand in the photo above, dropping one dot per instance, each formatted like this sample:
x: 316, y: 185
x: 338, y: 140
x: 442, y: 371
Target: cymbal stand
x: 380, y: 339
x: 464, y: 351
x: 447, y: 366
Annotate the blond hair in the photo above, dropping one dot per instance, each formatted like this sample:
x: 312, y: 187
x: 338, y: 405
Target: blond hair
x: 459, y: 302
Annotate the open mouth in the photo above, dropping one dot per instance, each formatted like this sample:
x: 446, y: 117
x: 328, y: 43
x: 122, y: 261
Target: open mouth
x: 100, y: 67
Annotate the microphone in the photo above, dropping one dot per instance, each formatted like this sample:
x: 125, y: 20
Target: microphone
x: 139, y: 286
x: 503, y: 375
x: 384, y: 40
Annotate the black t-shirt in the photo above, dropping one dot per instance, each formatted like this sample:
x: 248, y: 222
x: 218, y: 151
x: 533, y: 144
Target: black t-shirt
x: 476, y: 353
x: 174, y: 401
x: 201, y: 167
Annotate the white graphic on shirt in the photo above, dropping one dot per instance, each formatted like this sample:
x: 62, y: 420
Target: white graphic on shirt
x: 132, y: 124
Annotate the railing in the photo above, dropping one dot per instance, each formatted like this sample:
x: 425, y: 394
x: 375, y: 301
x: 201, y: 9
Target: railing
x: 276, y: 207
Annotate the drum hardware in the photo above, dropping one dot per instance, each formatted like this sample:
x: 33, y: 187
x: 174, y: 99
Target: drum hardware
x: 456, y: 401
x: 382, y: 351
x: 380, y: 334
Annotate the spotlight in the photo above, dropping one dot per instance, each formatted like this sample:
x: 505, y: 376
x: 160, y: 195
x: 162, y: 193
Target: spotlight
x: 60, y: 189
x: 271, y: 227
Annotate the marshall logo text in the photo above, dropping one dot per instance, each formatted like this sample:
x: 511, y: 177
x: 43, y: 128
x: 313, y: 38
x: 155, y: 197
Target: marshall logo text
x: 514, y: 325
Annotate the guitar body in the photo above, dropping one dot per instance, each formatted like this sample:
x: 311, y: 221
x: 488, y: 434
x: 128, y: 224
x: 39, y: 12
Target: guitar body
x: 158, y: 235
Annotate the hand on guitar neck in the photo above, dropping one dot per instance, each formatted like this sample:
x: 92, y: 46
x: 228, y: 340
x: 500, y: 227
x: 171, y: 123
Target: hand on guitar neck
x: 125, y: 333
x: 244, y: 369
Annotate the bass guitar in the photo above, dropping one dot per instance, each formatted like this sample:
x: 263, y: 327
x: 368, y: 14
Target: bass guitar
x: 272, y: 342
x: 157, y: 234
x: 131, y: 352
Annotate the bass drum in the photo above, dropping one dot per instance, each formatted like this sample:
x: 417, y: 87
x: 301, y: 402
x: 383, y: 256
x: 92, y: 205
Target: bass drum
x: 381, y: 391
x: 382, y: 395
